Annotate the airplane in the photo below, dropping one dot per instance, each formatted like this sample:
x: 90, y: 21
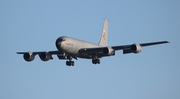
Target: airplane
x: 69, y: 48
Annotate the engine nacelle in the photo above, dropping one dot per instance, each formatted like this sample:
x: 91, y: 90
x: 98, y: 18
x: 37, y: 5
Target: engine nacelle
x: 136, y: 48
x: 45, y: 56
x: 108, y: 51
x: 29, y: 56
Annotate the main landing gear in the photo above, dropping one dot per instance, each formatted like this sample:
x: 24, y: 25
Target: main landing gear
x: 70, y: 62
x: 96, y: 61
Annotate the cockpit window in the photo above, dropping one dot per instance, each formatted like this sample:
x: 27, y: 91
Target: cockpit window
x: 61, y: 39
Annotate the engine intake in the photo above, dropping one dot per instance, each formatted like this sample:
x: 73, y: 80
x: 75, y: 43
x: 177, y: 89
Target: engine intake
x: 108, y: 51
x: 136, y: 48
x: 29, y: 57
x: 45, y: 56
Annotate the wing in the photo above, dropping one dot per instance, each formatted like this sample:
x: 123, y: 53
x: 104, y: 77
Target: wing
x: 35, y: 53
x: 108, y: 51
x: 44, y: 55
x: 142, y: 45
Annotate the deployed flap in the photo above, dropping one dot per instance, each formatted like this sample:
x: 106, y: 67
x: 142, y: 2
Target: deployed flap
x: 91, y: 50
x: 104, y: 35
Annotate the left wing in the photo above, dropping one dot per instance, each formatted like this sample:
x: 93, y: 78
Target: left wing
x: 136, y: 48
x: 107, y: 51
x: 142, y: 45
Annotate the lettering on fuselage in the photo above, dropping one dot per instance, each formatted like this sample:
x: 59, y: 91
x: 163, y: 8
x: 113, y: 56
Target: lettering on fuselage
x: 69, y: 46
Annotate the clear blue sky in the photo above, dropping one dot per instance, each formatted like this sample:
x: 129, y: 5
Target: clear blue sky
x: 34, y: 25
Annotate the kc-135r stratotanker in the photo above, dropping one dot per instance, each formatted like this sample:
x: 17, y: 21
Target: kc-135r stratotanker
x: 70, y: 48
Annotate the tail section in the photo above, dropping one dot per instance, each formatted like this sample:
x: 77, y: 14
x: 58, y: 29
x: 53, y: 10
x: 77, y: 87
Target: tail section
x: 104, y: 36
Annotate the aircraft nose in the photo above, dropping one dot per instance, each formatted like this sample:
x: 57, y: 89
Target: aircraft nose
x: 59, y: 42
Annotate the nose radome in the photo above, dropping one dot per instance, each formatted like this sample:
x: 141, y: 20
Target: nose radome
x: 58, y: 43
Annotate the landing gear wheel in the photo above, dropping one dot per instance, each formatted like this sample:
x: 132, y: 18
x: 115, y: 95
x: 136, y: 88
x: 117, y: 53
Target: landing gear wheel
x: 70, y: 63
x: 96, y: 61
x: 93, y: 61
x: 67, y: 62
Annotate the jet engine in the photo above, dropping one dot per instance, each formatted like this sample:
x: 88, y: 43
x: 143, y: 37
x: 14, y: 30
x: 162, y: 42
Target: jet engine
x: 136, y: 48
x: 108, y: 51
x: 29, y: 56
x: 45, y: 56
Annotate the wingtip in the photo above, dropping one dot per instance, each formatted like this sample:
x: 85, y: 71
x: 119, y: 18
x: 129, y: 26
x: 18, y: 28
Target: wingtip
x: 167, y: 42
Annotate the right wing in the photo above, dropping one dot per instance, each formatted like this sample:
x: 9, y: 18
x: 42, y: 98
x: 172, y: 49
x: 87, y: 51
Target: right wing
x: 35, y: 53
x: 44, y: 55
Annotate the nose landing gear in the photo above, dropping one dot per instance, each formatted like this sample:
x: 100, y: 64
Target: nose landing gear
x: 96, y: 61
x: 70, y: 62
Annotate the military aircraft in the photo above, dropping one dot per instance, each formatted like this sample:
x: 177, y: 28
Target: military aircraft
x: 69, y: 48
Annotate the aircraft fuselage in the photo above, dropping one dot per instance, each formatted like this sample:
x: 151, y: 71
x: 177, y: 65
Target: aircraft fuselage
x: 72, y: 46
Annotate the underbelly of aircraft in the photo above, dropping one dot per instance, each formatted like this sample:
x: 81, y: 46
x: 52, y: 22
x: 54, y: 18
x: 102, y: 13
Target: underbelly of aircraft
x: 84, y: 56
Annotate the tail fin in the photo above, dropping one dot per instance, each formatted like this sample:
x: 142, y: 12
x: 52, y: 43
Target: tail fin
x: 104, y: 36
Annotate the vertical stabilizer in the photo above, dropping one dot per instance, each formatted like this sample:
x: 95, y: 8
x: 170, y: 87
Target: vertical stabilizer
x: 104, y: 35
